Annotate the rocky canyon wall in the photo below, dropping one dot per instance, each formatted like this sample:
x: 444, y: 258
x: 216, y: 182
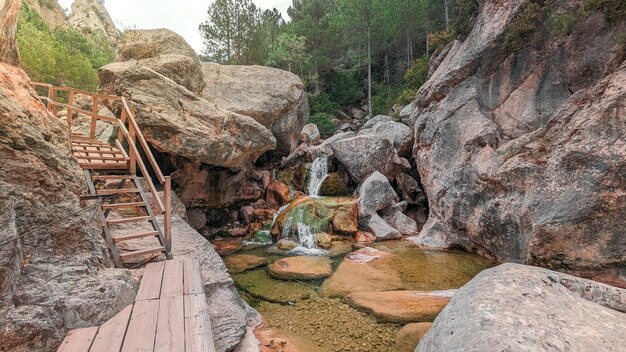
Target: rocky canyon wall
x: 521, y: 145
x: 54, y: 266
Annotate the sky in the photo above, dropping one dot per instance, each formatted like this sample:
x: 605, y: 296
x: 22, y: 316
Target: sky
x: 180, y: 16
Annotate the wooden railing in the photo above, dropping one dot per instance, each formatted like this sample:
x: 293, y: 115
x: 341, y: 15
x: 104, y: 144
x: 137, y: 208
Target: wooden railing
x: 128, y: 131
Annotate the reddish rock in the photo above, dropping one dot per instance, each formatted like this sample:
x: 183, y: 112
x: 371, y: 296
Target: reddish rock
x: 400, y: 306
x: 364, y: 237
x: 301, y: 268
x: 238, y: 232
x: 227, y: 246
x: 409, y: 336
x: 264, y: 214
x: 277, y: 194
x: 239, y: 263
x: 9, y: 10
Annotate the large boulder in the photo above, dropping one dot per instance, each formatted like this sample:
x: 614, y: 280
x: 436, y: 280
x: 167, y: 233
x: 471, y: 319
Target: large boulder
x: 57, y: 276
x: 520, y: 152
x: 399, y: 134
x: 520, y: 308
x: 90, y: 16
x: 177, y: 122
x: 166, y: 53
x: 9, y: 9
x: 274, y: 98
x: 362, y: 155
x: 375, y: 194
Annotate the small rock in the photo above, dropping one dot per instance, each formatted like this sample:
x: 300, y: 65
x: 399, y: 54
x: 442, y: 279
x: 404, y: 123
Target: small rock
x: 381, y: 229
x: 196, y: 218
x: 239, y: 263
x: 323, y: 240
x: 310, y: 134
x: 286, y: 245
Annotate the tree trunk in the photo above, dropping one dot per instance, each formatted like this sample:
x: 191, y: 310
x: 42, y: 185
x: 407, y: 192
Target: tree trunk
x: 369, y: 70
x: 445, y: 4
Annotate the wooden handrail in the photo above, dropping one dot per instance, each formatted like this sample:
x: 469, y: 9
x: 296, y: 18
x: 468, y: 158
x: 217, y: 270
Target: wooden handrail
x: 130, y: 134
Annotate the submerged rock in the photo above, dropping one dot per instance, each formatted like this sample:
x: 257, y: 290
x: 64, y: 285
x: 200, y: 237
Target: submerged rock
x: 239, y: 263
x: 362, y: 271
x: 259, y: 284
x: 400, y: 306
x: 518, y: 307
x: 301, y: 268
x: 410, y: 335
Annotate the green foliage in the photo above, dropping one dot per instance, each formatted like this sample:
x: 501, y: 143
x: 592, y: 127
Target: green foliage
x: 324, y: 123
x: 562, y: 24
x: 465, y: 14
x: 343, y: 87
x: 321, y: 102
x: 614, y: 10
x: 438, y: 40
x: 288, y: 53
x: 523, y: 27
x: 414, y: 78
x: 61, y: 56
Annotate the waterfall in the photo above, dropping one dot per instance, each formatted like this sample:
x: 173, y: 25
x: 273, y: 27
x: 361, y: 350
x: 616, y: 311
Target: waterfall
x: 303, y: 235
x: 319, y: 172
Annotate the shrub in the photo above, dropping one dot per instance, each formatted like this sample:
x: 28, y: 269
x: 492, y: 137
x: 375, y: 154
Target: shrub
x: 321, y: 103
x: 324, y: 123
x: 60, y: 56
x: 343, y: 87
x: 439, y: 40
x: 414, y: 78
x: 614, y: 10
x: 523, y: 27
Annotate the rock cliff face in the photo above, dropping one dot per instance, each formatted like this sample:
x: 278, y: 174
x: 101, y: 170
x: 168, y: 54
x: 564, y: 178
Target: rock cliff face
x: 50, y: 11
x: 9, y: 10
x: 54, y: 272
x: 521, y: 150
x: 91, y: 16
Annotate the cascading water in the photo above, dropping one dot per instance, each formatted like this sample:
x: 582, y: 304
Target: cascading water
x: 319, y: 172
x: 303, y: 235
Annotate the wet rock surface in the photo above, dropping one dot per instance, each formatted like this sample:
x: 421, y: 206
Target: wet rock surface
x: 517, y: 307
x: 401, y: 306
x: 239, y: 263
x: 301, y: 268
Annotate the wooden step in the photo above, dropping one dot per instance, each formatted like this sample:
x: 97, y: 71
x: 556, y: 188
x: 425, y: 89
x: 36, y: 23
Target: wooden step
x: 112, y: 177
x: 104, y: 152
x: 135, y: 236
x: 78, y: 340
x: 123, y: 205
x: 104, y: 166
x: 141, y: 252
x: 127, y: 220
x: 94, y: 157
x: 117, y: 191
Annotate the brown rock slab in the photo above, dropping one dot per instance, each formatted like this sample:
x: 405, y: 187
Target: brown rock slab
x: 410, y: 335
x: 277, y: 194
x: 226, y: 247
x: 400, y: 306
x: 301, y: 268
x: 239, y: 263
x: 362, y: 271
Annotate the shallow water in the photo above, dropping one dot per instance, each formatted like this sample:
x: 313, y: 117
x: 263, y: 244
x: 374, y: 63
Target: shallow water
x: 295, y: 306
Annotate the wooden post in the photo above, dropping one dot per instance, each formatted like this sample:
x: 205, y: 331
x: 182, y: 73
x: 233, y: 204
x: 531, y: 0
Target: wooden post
x: 94, y: 111
x: 53, y: 96
x: 167, y: 217
x: 70, y: 101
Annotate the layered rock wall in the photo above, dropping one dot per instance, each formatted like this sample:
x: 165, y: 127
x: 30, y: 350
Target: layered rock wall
x: 521, y: 151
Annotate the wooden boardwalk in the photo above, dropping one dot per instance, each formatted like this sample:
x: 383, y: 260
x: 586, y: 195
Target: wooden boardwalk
x: 170, y: 314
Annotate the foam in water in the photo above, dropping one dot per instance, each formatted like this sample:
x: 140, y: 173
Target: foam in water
x: 319, y: 172
x: 304, y: 236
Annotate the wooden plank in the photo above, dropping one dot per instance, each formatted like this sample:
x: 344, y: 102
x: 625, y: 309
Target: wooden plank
x: 172, y: 279
x: 142, y: 327
x: 198, y: 334
x: 129, y: 220
x: 150, y: 287
x: 112, y: 177
x: 170, y: 336
x: 134, y: 236
x: 110, y: 337
x: 192, y: 277
x: 123, y: 205
x: 147, y: 251
x: 87, y: 156
x: 104, y: 166
x: 117, y: 191
x: 78, y: 340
